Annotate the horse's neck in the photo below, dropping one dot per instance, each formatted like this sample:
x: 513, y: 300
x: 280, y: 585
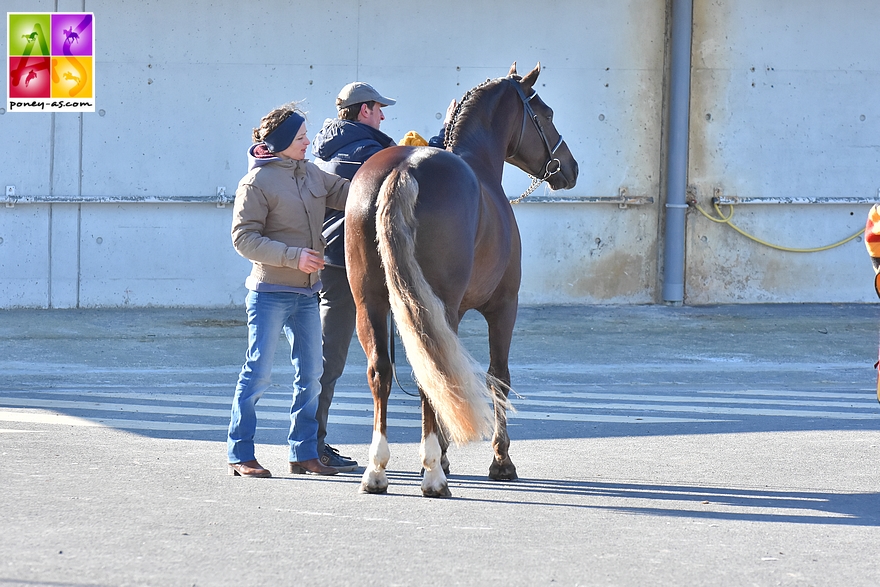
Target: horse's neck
x: 487, y: 168
x: 485, y: 157
x: 484, y: 139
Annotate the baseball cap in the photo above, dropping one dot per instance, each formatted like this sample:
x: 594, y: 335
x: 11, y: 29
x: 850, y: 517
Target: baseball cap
x: 359, y: 92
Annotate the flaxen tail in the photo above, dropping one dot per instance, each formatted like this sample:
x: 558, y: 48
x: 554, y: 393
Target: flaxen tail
x: 453, y: 381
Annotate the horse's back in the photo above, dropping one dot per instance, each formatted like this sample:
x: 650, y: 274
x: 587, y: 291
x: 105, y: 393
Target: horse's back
x: 445, y: 180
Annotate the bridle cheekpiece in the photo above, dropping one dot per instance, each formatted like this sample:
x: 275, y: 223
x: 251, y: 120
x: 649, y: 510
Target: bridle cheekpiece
x: 553, y: 165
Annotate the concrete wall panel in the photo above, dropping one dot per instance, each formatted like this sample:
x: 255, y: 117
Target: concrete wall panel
x: 159, y: 255
x: 580, y: 253
x: 64, y: 252
x: 725, y: 267
x: 26, y: 163
x: 781, y: 107
x: 179, y: 88
x: 24, y: 256
x: 780, y: 110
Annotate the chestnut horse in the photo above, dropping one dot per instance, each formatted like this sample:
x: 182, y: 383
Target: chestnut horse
x: 430, y: 234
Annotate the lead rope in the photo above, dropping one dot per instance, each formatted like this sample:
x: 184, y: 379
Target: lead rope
x: 392, y: 355
x: 538, y: 181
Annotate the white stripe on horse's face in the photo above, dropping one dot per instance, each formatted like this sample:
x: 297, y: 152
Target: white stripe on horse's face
x: 434, y: 482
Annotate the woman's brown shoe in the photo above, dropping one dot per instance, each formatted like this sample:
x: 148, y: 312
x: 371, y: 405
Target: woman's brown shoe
x: 312, y: 467
x: 248, y: 469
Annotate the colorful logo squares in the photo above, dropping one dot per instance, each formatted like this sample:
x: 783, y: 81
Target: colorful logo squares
x: 51, y: 62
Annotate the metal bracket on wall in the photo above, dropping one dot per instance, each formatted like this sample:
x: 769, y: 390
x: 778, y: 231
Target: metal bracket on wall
x: 723, y: 200
x: 623, y: 199
x: 222, y: 200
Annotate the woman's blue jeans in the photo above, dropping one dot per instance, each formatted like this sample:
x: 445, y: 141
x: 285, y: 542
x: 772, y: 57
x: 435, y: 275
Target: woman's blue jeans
x: 270, y: 313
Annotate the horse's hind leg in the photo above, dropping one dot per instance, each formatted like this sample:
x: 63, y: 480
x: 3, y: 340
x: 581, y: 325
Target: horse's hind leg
x: 502, y: 468
x: 444, y: 447
x: 501, y: 324
x: 373, y: 334
x: 434, y: 483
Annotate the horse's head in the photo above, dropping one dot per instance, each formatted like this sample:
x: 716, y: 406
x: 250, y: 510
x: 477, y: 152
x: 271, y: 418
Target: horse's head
x: 537, y: 147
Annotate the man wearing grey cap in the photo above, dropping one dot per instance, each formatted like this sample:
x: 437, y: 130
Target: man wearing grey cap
x: 340, y: 147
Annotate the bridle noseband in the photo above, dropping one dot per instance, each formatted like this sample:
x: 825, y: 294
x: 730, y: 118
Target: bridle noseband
x: 528, y: 113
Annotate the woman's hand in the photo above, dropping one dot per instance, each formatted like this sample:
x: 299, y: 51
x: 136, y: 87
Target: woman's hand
x: 310, y: 261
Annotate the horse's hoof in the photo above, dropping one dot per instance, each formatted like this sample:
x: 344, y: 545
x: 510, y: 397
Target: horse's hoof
x: 373, y: 489
x: 506, y: 472
x: 437, y: 492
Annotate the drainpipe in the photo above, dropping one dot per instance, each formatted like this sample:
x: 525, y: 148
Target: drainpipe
x: 677, y: 153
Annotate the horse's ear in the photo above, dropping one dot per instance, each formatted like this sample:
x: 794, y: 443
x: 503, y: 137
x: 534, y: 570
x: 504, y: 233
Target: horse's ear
x: 528, y: 81
x: 512, y: 71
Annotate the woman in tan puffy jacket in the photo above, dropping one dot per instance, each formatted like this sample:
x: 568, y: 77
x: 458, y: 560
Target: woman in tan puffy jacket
x: 276, y: 224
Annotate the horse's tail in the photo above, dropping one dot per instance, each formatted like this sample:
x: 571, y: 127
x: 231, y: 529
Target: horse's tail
x: 454, y: 383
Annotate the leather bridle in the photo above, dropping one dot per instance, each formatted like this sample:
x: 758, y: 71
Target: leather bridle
x: 549, y: 167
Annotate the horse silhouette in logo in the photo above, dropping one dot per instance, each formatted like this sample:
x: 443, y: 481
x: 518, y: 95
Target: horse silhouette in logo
x: 70, y: 76
x: 70, y: 36
x: 31, y: 37
x: 32, y: 75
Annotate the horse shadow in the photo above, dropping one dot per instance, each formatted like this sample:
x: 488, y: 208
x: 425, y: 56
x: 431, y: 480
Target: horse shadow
x: 680, y: 501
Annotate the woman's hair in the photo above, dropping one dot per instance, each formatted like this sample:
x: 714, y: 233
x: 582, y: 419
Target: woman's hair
x: 272, y: 120
x: 351, y: 112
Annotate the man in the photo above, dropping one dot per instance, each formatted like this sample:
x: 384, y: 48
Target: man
x: 340, y: 147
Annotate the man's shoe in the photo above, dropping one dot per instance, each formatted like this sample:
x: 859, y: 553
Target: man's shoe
x: 311, y: 467
x: 332, y: 458
x: 248, y: 469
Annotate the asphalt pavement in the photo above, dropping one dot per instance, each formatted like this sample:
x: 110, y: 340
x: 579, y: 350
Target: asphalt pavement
x: 656, y: 445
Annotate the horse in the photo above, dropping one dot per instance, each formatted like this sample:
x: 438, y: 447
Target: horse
x: 429, y: 235
x: 70, y: 36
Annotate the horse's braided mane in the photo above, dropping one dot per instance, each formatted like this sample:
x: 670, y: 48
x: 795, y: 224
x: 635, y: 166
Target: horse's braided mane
x: 461, y: 110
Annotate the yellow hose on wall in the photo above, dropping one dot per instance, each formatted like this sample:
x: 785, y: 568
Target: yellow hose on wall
x: 722, y: 219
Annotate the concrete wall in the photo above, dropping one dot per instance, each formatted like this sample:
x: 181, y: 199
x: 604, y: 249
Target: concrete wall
x: 180, y: 85
x: 783, y: 107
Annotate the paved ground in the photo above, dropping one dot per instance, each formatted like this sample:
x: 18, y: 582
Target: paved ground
x: 732, y: 445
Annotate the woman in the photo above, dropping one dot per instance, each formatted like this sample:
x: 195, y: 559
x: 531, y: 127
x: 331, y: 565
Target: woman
x: 276, y: 224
